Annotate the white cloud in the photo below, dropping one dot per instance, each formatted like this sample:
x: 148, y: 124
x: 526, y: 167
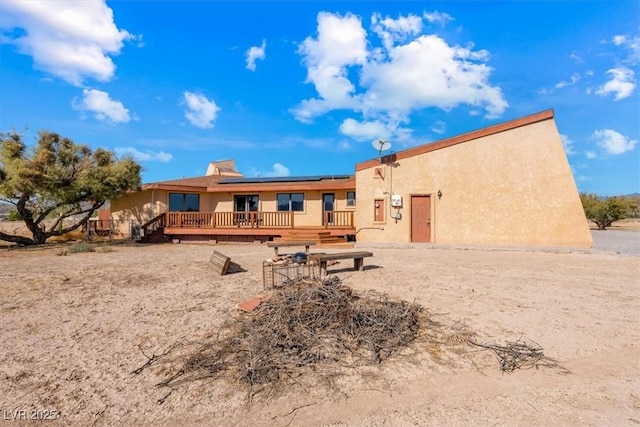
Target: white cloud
x: 632, y: 44
x: 102, y: 106
x: 254, y: 53
x: 568, y: 145
x: 634, y: 47
x: 409, y: 72
x: 201, y: 112
x: 341, y: 42
x: 375, y: 129
x: 72, y: 40
x: 574, y: 55
x: 622, y: 83
x: 437, y: 17
x: 439, y: 127
x: 591, y: 155
x: 364, y: 130
x: 574, y: 79
x: 619, y: 39
x: 428, y: 72
x: 613, y: 142
x: 143, y: 156
x: 392, y: 31
x: 278, y: 170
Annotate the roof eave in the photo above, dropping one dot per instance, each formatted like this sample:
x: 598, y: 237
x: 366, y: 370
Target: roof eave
x: 338, y: 184
x: 174, y: 187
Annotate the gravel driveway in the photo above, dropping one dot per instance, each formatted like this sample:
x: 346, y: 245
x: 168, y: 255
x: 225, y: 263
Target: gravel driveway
x: 620, y: 241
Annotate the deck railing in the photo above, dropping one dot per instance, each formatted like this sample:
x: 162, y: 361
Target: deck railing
x: 189, y: 219
x: 252, y: 219
x: 337, y: 219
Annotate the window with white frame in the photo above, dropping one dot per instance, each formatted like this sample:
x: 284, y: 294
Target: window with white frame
x: 351, y: 198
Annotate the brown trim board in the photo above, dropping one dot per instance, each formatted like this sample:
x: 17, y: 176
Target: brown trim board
x: 469, y: 136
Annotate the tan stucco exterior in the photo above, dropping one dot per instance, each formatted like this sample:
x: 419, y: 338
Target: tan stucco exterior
x: 506, y: 185
x: 140, y: 207
x: 137, y: 208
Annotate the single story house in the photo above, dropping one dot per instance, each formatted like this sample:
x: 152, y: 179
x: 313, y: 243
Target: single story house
x: 506, y: 184
x: 225, y: 206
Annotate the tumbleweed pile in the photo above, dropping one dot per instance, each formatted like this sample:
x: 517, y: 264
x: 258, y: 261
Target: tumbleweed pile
x: 320, y: 326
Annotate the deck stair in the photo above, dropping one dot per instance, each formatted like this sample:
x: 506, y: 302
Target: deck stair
x: 321, y: 238
x: 153, y: 230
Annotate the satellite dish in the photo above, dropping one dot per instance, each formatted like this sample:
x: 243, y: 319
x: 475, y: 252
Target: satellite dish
x: 381, y: 145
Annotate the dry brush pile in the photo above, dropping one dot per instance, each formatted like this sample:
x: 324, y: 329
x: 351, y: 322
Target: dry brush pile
x: 316, y: 327
x: 312, y: 327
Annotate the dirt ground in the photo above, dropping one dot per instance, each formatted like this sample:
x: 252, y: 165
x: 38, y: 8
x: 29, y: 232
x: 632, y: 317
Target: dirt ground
x: 74, y: 328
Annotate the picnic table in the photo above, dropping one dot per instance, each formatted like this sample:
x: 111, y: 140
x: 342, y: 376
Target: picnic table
x: 276, y: 245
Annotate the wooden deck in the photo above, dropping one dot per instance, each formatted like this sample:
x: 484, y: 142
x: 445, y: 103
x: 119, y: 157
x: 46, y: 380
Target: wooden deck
x: 240, y: 226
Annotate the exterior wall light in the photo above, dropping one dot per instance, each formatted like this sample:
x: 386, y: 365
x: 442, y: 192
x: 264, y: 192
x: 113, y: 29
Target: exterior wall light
x: 439, y: 194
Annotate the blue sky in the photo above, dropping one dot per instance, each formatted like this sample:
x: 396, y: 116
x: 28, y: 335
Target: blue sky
x: 303, y: 88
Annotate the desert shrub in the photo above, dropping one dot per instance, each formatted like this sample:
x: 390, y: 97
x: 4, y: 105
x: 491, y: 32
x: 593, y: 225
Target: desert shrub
x: 81, y: 247
x: 633, y: 206
x: 13, y: 215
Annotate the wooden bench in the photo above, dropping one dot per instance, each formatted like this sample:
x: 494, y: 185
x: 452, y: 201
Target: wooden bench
x: 276, y: 245
x: 220, y: 262
x: 357, y: 256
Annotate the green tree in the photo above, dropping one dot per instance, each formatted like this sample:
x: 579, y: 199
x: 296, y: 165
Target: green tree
x: 633, y: 205
x: 603, y: 212
x: 58, y: 182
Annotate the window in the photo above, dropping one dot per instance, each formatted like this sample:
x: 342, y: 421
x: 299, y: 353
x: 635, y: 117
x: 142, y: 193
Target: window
x: 378, y: 210
x: 351, y: 198
x: 183, y: 202
x: 246, y: 203
x: 291, y: 202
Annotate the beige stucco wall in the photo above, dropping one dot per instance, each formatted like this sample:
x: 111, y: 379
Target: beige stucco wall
x: 510, y: 188
x: 137, y: 208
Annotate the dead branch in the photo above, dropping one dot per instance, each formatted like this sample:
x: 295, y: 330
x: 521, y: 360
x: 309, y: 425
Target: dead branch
x: 151, y: 359
x: 294, y: 410
x: 515, y: 355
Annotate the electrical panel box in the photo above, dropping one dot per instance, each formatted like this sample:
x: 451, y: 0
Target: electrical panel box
x: 396, y: 200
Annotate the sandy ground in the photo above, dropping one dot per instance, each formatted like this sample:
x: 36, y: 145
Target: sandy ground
x: 73, y: 329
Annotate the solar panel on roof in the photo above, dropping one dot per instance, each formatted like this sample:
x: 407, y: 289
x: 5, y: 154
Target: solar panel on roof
x: 241, y: 180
